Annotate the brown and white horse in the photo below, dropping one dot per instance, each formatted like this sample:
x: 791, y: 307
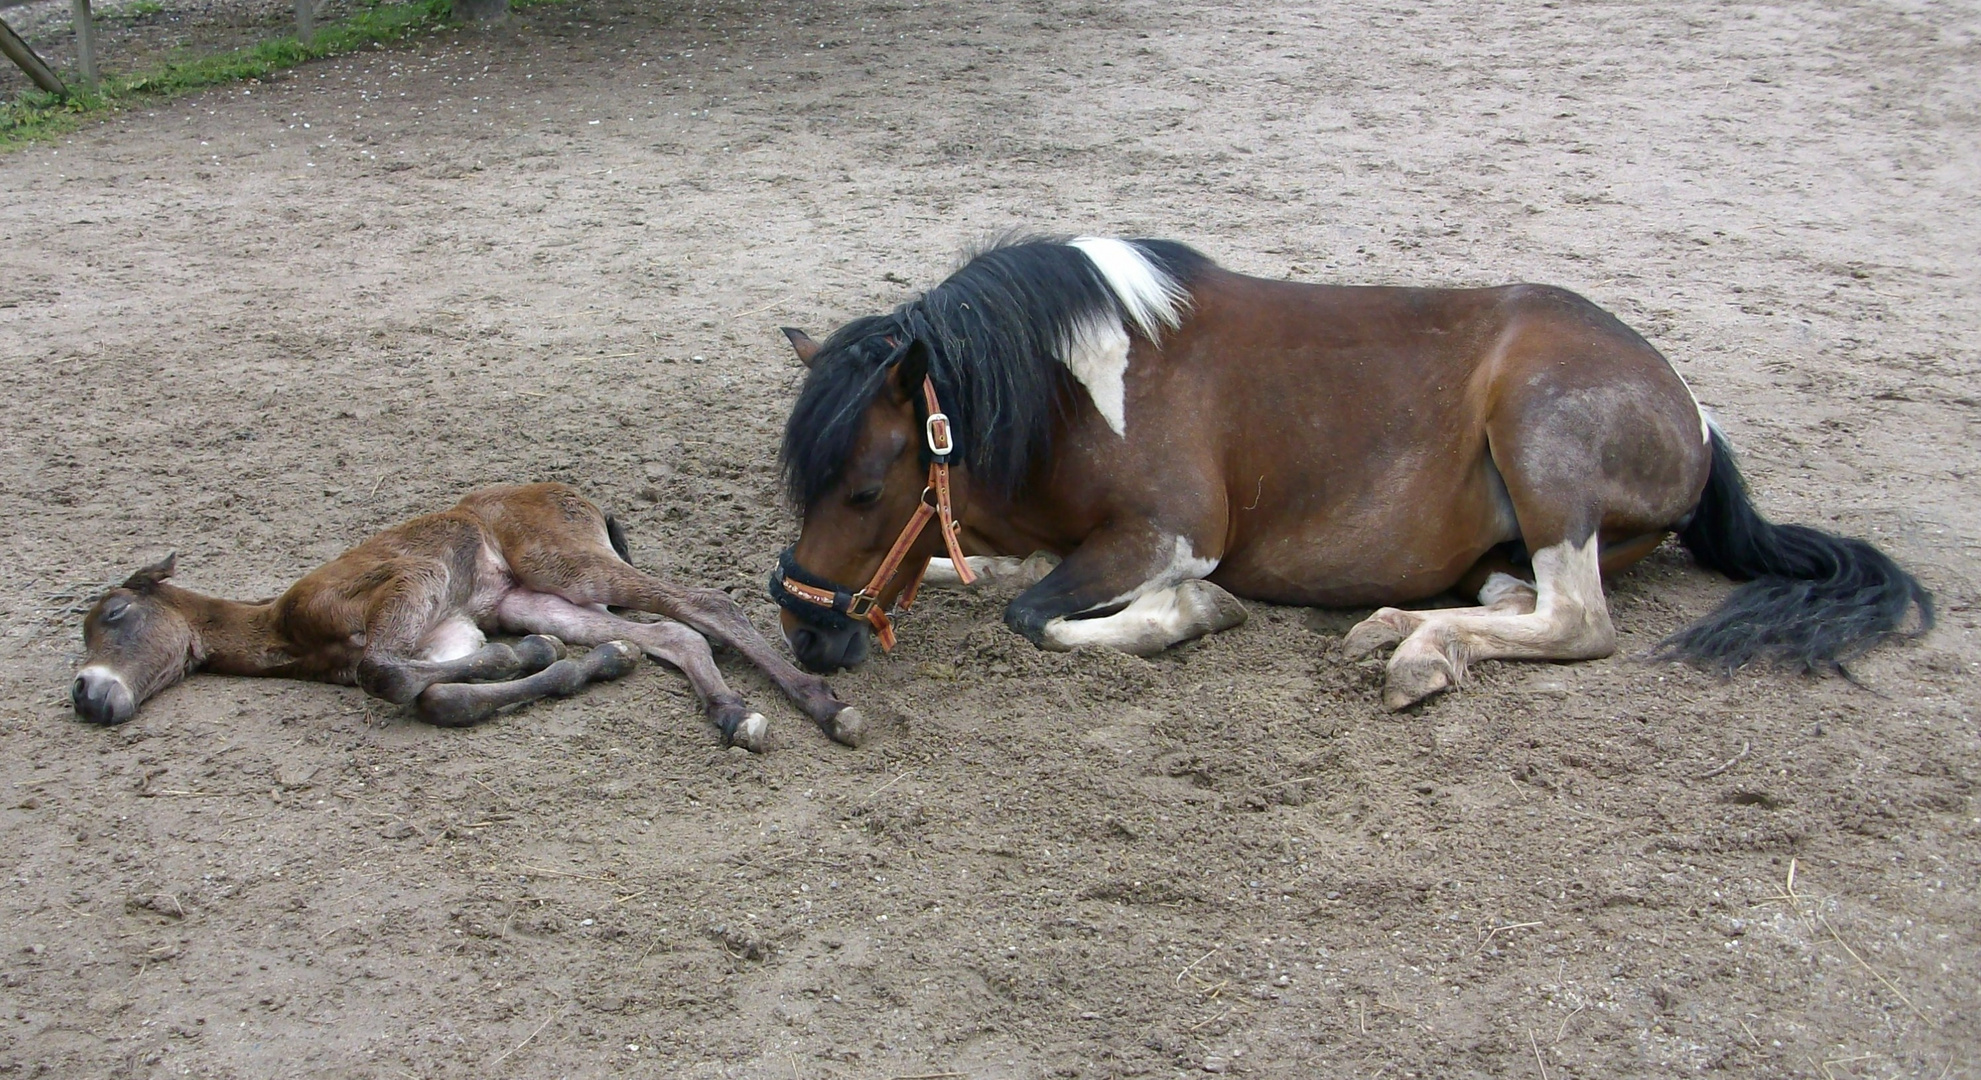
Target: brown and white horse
x: 1179, y: 433
x: 405, y: 615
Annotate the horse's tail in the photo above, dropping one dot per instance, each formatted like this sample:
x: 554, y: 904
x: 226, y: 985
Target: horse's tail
x: 618, y: 537
x: 1812, y: 600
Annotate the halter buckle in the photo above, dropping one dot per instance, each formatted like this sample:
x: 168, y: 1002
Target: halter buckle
x: 861, y: 604
x: 936, y: 430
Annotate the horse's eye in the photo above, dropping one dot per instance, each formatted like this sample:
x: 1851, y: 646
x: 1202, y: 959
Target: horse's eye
x: 864, y: 496
x: 115, y: 609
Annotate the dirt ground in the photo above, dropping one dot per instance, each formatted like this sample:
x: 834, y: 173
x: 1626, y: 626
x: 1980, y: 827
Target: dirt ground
x: 257, y: 324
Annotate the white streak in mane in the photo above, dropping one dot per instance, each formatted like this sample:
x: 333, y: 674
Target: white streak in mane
x: 1096, y: 350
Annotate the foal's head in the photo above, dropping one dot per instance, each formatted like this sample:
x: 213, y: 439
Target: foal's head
x: 139, y: 642
x: 852, y: 462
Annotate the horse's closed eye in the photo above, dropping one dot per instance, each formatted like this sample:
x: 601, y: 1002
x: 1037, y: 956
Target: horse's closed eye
x: 864, y: 497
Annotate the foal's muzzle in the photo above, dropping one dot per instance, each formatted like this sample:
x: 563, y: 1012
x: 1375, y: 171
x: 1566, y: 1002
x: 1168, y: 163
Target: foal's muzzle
x: 101, y: 697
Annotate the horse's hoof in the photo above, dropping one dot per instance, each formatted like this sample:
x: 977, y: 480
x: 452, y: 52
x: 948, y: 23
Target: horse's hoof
x: 1416, y: 677
x: 612, y: 660
x: 454, y: 705
x: 848, y: 727
x: 538, y: 651
x: 1206, y: 605
x: 1370, y: 636
x: 750, y: 732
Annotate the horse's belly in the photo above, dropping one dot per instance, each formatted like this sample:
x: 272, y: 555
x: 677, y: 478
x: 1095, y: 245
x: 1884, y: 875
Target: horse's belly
x: 1328, y: 568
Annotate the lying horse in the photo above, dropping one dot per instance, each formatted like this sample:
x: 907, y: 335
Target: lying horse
x: 1180, y: 433
x: 404, y: 617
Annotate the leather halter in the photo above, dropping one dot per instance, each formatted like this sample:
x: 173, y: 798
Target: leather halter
x: 865, y: 605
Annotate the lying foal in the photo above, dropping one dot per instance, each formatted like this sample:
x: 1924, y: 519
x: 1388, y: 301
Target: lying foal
x: 403, y: 616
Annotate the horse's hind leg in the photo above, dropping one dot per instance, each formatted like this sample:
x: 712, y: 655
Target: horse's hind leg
x: 1565, y: 617
x: 460, y: 704
x: 666, y: 641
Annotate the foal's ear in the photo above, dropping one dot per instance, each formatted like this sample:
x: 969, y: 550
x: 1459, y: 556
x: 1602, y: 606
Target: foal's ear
x: 808, y: 350
x: 151, y: 575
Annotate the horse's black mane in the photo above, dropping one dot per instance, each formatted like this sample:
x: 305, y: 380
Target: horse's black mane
x: 989, y: 336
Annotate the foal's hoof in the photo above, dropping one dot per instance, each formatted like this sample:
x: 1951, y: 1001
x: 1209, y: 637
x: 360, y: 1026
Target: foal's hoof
x: 1375, y: 633
x: 848, y: 727
x: 538, y: 651
x: 1205, y: 605
x: 454, y: 705
x: 612, y: 660
x: 750, y: 732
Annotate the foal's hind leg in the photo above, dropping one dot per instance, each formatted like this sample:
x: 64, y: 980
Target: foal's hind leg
x: 460, y: 704
x: 583, y: 577
x: 666, y: 641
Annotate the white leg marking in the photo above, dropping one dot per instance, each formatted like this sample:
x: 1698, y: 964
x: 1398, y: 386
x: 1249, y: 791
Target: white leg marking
x: 1155, y: 621
x: 1570, y: 620
x: 992, y: 570
x: 453, y: 639
x: 1499, y: 586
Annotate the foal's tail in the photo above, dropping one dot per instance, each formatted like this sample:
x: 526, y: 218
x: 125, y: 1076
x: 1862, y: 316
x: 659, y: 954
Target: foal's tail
x: 1812, y: 600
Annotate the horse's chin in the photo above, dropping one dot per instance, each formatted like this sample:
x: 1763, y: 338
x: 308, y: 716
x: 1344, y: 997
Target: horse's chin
x: 824, y: 652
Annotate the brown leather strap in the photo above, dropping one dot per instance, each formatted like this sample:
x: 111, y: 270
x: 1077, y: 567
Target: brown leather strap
x: 935, y: 503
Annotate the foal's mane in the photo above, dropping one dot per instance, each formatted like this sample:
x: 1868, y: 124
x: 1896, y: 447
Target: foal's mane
x: 994, y: 338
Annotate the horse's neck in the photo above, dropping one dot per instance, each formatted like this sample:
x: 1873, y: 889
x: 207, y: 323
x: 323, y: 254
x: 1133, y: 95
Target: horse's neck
x: 232, y: 637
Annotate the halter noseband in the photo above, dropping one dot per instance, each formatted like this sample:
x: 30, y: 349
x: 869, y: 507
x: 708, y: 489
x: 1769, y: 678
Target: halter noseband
x: 793, y: 585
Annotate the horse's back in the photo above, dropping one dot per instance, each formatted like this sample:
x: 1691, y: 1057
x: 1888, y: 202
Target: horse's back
x: 1361, y: 431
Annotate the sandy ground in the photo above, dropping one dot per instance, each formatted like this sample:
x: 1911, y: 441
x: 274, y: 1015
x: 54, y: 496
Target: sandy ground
x: 257, y: 324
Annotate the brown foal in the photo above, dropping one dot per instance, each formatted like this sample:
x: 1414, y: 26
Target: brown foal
x: 1178, y: 433
x: 404, y: 616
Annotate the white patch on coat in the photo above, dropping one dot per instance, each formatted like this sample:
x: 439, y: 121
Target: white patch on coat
x: 453, y: 639
x: 1184, y: 565
x: 992, y: 570
x: 1155, y: 621
x: 1707, y: 425
x: 1499, y: 586
x: 1096, y: 349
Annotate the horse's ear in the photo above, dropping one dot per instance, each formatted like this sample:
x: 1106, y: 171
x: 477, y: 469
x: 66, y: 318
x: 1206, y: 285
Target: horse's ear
x: 808, y: 350
x: 150, y: 576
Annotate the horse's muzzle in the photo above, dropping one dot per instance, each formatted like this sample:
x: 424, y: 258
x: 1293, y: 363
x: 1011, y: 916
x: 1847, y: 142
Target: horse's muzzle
x: 101, y: 697
x: 824, y: 651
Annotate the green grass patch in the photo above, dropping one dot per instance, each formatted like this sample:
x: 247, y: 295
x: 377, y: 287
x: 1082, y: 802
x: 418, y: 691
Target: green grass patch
x: 35, y: 116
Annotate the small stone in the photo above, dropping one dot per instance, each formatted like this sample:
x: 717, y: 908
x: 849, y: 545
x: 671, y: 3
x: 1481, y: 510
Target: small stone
x: 1216, y: 1063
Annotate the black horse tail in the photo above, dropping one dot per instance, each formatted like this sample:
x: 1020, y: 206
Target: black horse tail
x: 618, y: 537
x: 1812, y: 600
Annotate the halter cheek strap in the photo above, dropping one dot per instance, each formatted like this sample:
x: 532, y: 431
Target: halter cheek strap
x: 794, y: 584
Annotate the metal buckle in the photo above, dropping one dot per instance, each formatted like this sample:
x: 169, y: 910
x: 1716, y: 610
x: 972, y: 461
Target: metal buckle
x: 861, y: 604
x: 938, y: 422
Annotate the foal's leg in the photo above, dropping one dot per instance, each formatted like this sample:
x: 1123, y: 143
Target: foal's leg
x: 666, y: 641
x: 411, y: 643
x: 1144, y: 587
x: 459, y: 704
x: 584, y: 578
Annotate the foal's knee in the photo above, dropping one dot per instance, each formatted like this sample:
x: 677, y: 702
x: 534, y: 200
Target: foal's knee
x: 391, y: 680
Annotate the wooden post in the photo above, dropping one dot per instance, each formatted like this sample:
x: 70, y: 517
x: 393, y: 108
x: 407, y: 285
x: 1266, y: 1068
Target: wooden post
x: 38, y: 70
x: 85, y: 42
x: 305, y: 21
x: 481, y: 13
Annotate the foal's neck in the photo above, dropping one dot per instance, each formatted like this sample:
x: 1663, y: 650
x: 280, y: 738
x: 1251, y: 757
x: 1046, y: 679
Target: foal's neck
x: 232, y: 637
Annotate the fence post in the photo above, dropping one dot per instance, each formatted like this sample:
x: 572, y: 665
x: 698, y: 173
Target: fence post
x: 38, y: 70
x: 85, y: 42
x: 305, y: 21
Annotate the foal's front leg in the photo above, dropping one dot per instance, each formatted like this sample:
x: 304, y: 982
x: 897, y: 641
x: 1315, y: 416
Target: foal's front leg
x: 458, y: 704
x: 1139, y: 591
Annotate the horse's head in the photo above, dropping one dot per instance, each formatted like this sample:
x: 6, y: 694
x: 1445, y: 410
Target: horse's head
x: 856, y: 463
x: 138, y: 641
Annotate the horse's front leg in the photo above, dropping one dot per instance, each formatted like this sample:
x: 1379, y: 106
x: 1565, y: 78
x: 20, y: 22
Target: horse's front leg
x: 1139, y: 591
